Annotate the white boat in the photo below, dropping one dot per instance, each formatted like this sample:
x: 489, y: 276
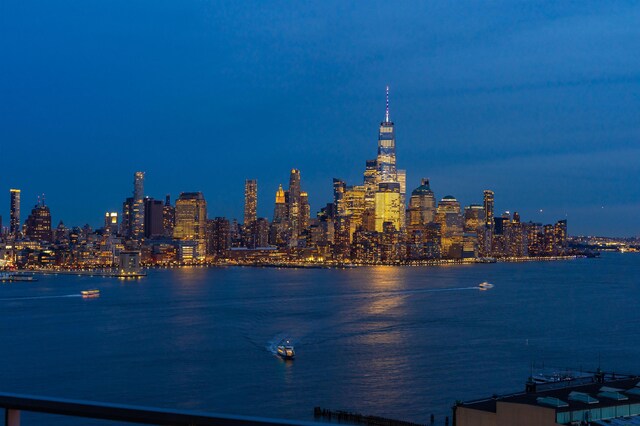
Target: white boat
x: 285, y: 349
x: 485, y: 286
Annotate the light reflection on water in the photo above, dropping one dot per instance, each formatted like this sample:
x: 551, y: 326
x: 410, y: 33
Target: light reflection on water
x: 398, y: 342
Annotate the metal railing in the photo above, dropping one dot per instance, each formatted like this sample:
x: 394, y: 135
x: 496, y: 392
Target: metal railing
x: 14, y: 404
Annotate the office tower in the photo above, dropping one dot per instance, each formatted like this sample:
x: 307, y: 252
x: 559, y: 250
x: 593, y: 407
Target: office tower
x: 153, y: 218
x: 38, y: 224
x: 110, y: 223
x: 305, y: 211
x: 294, y: 205
x: 474, y: 218
x: 191, y: 221
x: 279, y: 226
x: 127, y: 223
x: 261, y: 232
x: 451, y: 227
x: 339, y: 188
x: 386, y: 160
x: 422, y: 205
x: 168, y: 217
x: 218, y: 237
x: 14, y: 218
x: 488, y: 208
x: 487, y: 247
x: 388, y: 206
x: 354, y: 207
x: 371, y: 186
x: 137, y: 223
x: 280, y: 210
x: 250, y: 201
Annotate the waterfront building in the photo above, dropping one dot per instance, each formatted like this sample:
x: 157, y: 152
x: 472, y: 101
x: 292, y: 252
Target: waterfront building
x: 305, y: 210
x: 487, y: 247
x: 153, y: 218
x: 129, y: 263
x: 422, y: 206
x: 560, y: 236
x: 191, y: 219
x: 38, y: 224
x: 168, y: 217
x: 126, y: 225
x: 218, y: 237
x: 577, y: 399
x: 110, y: 223
x: 14, y: 211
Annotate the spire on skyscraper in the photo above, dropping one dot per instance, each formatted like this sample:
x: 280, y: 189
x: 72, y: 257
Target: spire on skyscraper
x: 386, y: 115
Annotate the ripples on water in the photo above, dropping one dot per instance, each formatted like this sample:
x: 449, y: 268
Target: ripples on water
x: 401, y: 342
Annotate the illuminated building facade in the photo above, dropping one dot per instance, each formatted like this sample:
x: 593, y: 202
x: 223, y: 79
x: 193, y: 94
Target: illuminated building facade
x: 250, y: 201
x: 137, y: 220
x: 14, y: 218
x: 218, y: 237
x: 451, y: 227
x: 388, y: 206
x: 191, y: 221
x: 422, y: 206
x: 110, y: 223
x: 38, y: 224
x: 168, y: 217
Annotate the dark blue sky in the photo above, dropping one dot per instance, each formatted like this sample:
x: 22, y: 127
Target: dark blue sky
x: 538, y: 101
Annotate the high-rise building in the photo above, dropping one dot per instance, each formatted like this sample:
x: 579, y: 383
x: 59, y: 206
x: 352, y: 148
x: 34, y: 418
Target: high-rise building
x: 168, y: 217
x: 388, y: 206
x: 137, y: 229
x: 191, y: 221
x: 250, y: 201
x: 111, y: 223
x: 386, y: 160
x: 126, y: 225
x: 218, y: 237
x: 354, y: 207
x: 38, y: 224
x: 153, y: 218
x: 474, y: 218
x: 489, y: 231
x: 422, y: 206
x: 451, y: 227
x: 278, y: 234
x: 14, y: 219
x: 294, y: 205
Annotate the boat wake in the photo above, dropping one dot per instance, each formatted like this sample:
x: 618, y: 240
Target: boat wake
x: 64, y: 296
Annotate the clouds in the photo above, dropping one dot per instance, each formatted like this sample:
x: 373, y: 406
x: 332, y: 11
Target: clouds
x: 202, y: 95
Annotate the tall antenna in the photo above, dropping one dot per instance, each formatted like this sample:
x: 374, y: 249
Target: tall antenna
x: 386, y: 115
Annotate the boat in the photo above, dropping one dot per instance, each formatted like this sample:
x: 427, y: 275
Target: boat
x: 285, y: 349
x: 90, y: 293
x: 485, y: 286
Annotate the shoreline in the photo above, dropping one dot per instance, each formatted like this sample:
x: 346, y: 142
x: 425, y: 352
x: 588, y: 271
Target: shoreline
x: 109, y: 273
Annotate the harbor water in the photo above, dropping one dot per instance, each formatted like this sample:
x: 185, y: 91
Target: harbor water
x: 398, y: 342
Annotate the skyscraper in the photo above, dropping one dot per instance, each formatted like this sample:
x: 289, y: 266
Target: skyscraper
x: 153, y: 218
x: 168, y: 217
x: 293, y: 205
x: 422, y: 205
x: 388, y: 206
x: 250, y: 201
x: 14, y: 220
x: 489, y: 231
x: 451, y: 227
x: 110, y: 223
x: 138, y: 206
x: 191, y: 221
x: 38, y: 224
x: 386, y: 160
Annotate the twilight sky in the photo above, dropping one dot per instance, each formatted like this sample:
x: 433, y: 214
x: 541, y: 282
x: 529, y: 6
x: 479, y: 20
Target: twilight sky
x: 538, y: 101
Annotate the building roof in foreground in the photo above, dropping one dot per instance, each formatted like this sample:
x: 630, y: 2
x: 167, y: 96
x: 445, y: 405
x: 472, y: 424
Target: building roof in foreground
x: 585, y: 393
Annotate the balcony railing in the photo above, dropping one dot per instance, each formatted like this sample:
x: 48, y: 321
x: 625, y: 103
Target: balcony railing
x: 14, y: 404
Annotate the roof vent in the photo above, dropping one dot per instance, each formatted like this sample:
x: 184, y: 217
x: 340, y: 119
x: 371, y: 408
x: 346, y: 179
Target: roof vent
x: 551, y: 402
x: 582, y: 397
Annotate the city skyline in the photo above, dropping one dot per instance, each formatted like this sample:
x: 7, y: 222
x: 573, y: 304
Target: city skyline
x: 538, y: 104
